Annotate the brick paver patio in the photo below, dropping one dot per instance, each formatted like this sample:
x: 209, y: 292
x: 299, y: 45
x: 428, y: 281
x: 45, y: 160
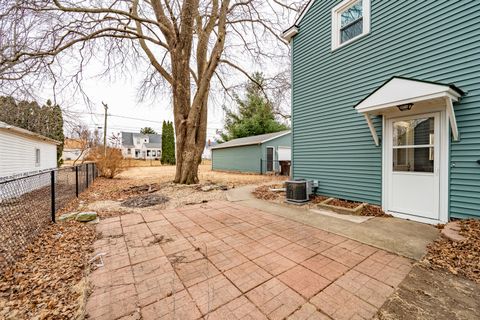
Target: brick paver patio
x: 221, y: 260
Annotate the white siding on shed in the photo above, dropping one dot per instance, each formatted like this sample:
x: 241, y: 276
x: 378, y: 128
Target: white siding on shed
x: 284, y: 153
x: 17, y: 154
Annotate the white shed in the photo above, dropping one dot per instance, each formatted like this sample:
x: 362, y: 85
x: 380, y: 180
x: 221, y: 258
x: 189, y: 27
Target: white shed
x: 23, y: 151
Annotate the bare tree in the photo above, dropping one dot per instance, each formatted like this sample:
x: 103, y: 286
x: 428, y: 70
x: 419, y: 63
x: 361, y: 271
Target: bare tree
x: 187, y: 44
x: 83, y: 141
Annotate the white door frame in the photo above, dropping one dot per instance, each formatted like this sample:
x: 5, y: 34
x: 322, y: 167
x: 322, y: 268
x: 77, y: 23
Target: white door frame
x: 443, y: 168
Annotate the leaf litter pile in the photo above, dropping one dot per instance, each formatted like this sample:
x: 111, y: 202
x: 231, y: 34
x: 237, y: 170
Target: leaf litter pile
x: 47, y: 282
x: 458, y: 257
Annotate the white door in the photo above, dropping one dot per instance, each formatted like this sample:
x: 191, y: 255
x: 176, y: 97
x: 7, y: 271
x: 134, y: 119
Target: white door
x: 413, y: 160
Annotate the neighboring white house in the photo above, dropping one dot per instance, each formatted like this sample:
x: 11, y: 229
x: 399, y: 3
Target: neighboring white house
x: 23, y: 151
x: 141, y: 146
x: 74, y: 149
x: 207, y: 151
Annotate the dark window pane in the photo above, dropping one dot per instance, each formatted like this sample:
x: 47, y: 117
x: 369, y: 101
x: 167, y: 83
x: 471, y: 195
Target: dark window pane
x: 351, y: 31
x: 413, y: 159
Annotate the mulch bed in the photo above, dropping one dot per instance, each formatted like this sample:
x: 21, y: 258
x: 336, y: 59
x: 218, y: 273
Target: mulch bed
x: 144, y: 201
x: 264, y: 193
x: 458, y: 257
x: 46, y: 282
x: 344, y: 203
x: 374, y: 211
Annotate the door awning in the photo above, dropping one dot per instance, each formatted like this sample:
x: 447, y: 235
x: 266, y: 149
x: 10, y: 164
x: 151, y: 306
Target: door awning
x: 400, y: 92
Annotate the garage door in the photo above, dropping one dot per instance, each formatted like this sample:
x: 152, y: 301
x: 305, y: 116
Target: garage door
x: 284, y: 154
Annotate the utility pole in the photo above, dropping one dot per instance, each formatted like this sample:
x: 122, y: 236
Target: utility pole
x: 105, y: 131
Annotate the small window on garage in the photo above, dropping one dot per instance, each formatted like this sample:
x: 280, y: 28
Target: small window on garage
x: 37, y: 157
x: 350, y: 20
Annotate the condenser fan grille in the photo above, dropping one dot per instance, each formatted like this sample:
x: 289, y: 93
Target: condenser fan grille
x: 297, y: 191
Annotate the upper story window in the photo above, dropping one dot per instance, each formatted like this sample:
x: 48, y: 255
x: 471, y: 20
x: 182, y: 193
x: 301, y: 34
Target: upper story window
x: 350, y: 20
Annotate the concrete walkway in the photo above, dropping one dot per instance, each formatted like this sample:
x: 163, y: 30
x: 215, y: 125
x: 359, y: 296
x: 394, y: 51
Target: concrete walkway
x: 403, y: 237
x: 225, y: 260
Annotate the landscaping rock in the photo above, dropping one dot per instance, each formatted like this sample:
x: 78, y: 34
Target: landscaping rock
x: 452, y: 231
x: 86, y: 216
x: 96, y: 221
x: 68, y: 216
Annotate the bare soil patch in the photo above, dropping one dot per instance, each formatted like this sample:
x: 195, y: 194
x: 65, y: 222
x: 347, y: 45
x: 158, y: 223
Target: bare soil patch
x: 46, y: 283
x: 144, y: 201
x: 458, y: 257
x: 431, y: 295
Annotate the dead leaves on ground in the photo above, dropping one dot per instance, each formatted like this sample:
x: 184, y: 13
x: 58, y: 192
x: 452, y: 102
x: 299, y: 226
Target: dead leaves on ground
x: 43, y: 284
x: 458, y: 257
x: 265, y: 193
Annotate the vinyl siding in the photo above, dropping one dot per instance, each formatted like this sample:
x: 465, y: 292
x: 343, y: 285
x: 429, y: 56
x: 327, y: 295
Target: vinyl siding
x: 243, y: 159
x: 17, y: 154
x: 434, y: 40
x: 247, y: 158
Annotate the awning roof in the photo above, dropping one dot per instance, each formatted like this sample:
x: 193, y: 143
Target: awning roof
x: 399, y: 90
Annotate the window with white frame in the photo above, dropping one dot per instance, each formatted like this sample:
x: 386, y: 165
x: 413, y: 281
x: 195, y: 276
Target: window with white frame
x: 37, y: 157
x: 350, y: 20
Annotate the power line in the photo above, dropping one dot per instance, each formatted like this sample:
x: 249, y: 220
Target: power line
x: 117, y: 116
x: 133, y: 118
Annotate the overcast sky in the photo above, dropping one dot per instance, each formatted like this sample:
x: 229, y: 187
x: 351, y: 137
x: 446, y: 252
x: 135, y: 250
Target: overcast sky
x: 128, y: 113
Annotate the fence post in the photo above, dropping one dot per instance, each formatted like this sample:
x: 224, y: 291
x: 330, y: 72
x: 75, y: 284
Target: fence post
x: 86, y: 174
x: 52, y: 191
x: 76, y: 181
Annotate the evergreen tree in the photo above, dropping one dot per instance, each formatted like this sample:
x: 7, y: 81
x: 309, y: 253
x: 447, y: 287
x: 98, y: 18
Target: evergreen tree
x: 168, y: 143
x: 255, y: 113
x: 147, y: 130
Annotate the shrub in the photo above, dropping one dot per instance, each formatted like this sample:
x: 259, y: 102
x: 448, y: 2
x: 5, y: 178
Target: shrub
x: 110, y: 165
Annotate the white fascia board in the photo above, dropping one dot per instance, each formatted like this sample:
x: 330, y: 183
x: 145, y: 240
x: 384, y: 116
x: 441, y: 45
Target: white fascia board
x: 288, y: 34
x: 281, y: 135
x: 235, y: 145
x: 304, y: 12
x: 374, y: 108
x: 399, y: 91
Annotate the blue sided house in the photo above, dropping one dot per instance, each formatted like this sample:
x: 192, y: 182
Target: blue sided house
x: 386, y: 104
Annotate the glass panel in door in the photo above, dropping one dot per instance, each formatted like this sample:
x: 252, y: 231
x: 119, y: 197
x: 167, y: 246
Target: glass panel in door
x: 414, y: 145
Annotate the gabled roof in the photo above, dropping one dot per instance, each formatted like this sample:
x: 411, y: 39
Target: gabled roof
x: 399, y: 90
x: 128, y: 137
x: 251, y: 140
x: 288, y: 34
x: 26, y: 133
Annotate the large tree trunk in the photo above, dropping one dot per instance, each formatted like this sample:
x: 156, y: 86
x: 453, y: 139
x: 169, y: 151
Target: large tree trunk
x: 189, y: 148
x: 191, y: 135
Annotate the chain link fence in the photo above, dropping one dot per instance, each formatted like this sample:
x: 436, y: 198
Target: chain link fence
x: 28, y: 203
